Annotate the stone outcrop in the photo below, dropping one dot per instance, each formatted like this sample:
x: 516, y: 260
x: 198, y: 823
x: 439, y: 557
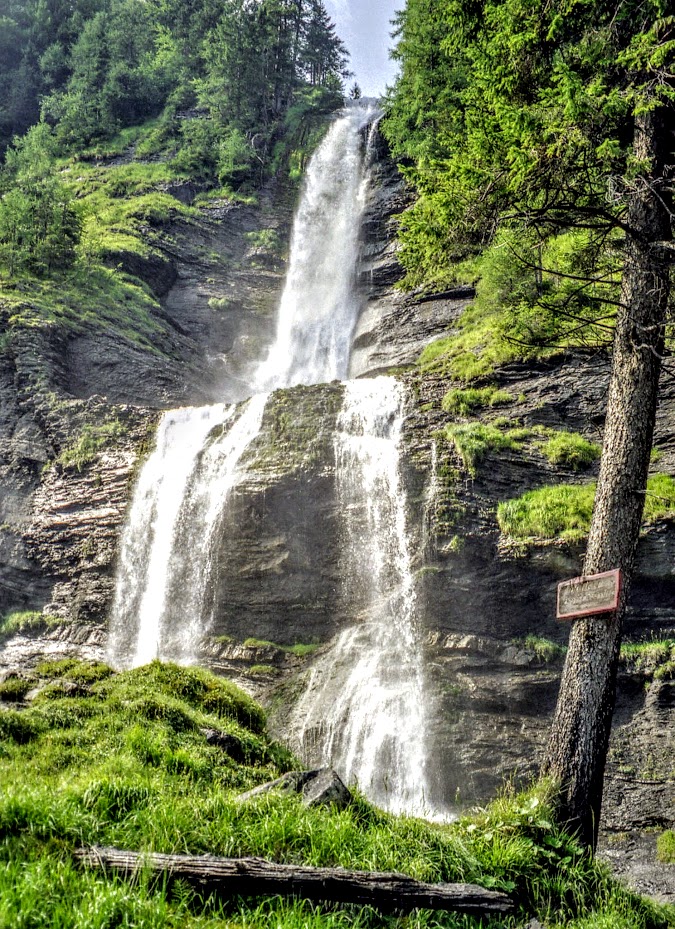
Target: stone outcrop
x: 322, y: 787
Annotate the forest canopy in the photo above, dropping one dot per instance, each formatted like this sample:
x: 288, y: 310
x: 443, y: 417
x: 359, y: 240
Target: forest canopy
x: 91, y: 67
x: 514, y: 119
x: 227, y: 92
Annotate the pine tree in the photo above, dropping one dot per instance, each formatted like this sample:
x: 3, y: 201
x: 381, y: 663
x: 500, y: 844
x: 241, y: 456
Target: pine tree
x: 558, y: 117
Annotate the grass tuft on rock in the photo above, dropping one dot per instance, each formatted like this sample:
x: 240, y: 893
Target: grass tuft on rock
x: 90, y: 441
x: 463, y: 402
x: 665, y: 847
x: 564, y: 511
x: 474, y: 441
x: 26, y: 621
x: 655, y: 658
x: 571, y: 450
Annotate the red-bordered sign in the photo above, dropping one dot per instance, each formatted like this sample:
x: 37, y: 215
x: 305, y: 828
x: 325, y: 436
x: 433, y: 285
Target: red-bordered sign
x: 587, y: 596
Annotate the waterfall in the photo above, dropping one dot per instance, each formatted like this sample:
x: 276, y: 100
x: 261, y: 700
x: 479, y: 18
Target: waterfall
x: 162, y: 601
x: 319, y: 307
x: 363, y: 710
x: 167, y: 546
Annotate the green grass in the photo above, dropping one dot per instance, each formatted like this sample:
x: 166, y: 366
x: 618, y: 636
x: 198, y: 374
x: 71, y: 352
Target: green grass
x: 655, y: 657
x: 545, y: 650
x: 571, y: 450
x: 26, y: 621
x: 660, y: 498
x: 14, y: 689
x: 91, y: 440
x: 563, y: 511
x: 126, y: 764
x: 90, y: 298
x: 463, y: 402
x: 124, y: 209
x: 474, y: 441
x: 665, y: 847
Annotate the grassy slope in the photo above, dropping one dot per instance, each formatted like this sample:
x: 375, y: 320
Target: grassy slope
x: 120, y: 194
x: 120, y: 760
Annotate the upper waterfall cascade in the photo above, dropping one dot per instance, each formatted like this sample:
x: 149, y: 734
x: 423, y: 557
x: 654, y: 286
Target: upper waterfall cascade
x: 374, y: 732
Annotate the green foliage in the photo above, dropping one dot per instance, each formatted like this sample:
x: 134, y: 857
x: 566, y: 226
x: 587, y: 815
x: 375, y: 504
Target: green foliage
x: 474, y: 441
x: 571, y: 450
x: 266, y: 239
x: 515, y: 123
x: 91, y: 440
x: 665, y: 847
x: 464, y: 402
x: 563, y: 511
x: 39, y: 226
x: 519, y: 312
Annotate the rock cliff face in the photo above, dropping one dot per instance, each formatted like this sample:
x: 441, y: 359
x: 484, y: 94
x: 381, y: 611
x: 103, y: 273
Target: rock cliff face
x: 278, y: 595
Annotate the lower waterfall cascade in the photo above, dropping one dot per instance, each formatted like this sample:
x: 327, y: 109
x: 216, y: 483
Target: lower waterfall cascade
x: 375, y: 732
x: 363, y: 710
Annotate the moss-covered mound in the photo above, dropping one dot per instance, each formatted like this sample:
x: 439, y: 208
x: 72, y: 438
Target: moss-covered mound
x: 123, y: 759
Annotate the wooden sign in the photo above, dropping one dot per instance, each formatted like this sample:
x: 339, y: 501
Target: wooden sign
x: 586, y: 596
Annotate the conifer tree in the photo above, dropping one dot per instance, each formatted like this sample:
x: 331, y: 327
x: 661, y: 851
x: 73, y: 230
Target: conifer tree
x: 558, y: 117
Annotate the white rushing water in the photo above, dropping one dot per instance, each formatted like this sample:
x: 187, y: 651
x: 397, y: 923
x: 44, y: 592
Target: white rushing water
x: 162, y: 601
x: 319, y: 306
x: 166, y: 555
x: 364, y: 708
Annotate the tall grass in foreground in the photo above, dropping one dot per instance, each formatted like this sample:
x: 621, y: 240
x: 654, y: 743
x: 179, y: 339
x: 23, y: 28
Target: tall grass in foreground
x: 124, y: 761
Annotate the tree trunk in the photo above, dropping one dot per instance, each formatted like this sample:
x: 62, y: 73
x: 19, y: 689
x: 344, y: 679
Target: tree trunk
x: 253, y: 877
x: 577, y: 748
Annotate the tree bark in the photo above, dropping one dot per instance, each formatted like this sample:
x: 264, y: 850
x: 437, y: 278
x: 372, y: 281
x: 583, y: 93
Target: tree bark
x: 577, y: 748
x: 243, y: 877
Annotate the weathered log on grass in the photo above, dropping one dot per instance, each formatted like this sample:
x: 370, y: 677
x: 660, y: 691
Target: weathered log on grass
x: 254, y: 877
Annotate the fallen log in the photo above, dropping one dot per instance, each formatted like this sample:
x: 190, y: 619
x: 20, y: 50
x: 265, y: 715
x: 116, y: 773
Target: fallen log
x: 254, y: 877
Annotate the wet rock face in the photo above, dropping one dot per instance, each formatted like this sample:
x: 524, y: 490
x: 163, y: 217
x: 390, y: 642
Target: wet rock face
x: 278, y: 576
x: 393, y: 328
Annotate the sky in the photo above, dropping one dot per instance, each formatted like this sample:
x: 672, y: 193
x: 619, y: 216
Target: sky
x: 365, y: 26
